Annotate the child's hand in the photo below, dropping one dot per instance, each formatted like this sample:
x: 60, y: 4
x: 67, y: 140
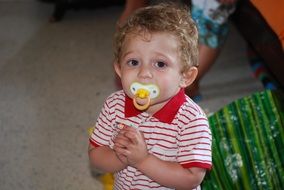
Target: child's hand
x: 121, y: 157
x: 136, y: 149
x: 120, y: 143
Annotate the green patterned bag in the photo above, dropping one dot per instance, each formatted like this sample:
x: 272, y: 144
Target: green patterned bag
x: 248, y: 144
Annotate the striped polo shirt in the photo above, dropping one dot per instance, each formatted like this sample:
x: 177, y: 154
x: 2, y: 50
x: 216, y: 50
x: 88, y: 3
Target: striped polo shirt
x: 179, y: 132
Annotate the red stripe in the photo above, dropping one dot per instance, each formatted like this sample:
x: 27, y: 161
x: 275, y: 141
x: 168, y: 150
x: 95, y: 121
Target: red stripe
x: 195, y: 154
x: 100, y: 138
x: 196, y: 132
x: 203, y: 150
x: 165, y: 156
x: 103, y: 117
x: 186, y: 112
x: 159, y: 126
x: 162, y: 140
x: 94, y: 143
x: 193, y: 108
x: 195, y: 139
x: 200, y: 119
x: 99, y: 129
x: 197, y: 164
x: 194, y: 144
x: 164, y: 135
x: 185, y: 122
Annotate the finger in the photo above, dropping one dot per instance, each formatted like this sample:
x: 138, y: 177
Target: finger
x: 121, y: 132
x: 133, y: 137
x: 122, y: 143
x: 117, y: 149
x: 120, y: 137
x: 121, y: 151
x: 135, y: 134
x: 119, y: 145
x: 122, y: 140
x: 124, y: 130
x: 130, y: 128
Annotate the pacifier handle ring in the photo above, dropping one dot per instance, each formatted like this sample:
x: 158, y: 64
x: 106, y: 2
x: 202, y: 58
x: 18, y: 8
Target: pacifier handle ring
x: 141, y: 107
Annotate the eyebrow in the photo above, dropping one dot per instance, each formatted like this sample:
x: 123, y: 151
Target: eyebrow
x: 126, y: 54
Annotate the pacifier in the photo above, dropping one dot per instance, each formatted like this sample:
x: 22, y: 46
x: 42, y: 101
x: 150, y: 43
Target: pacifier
x: 143, y: 93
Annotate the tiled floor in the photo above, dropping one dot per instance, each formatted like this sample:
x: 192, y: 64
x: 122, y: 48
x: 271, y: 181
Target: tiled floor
x: 53, y: 80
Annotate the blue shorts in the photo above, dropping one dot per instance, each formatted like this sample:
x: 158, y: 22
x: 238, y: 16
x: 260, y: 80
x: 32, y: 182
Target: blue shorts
x: 212, y: 22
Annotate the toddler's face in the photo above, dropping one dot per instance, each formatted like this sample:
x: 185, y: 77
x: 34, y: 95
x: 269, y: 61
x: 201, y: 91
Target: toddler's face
x: 151, y: 59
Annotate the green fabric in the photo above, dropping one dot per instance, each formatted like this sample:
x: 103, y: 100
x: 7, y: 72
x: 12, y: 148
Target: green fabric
x: 248, y: 144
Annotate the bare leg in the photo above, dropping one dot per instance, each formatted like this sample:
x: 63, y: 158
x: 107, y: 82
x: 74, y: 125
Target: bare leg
x: 261, y: 38
x: 207, y: 57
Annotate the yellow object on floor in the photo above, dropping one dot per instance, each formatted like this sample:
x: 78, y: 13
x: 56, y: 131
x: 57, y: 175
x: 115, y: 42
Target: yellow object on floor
x: 90, y: 130
x: 107, y: 181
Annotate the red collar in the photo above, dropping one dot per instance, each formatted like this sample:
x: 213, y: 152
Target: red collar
x: 165, y: 115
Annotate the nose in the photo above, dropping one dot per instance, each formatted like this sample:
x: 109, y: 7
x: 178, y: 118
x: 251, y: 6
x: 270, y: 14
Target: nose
x: 145, y: 72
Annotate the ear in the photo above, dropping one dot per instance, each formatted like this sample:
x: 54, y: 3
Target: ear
x: 188, y: 77
x: 117, y: 68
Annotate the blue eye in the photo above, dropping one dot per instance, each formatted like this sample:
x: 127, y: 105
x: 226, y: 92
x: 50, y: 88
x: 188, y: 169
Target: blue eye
x: 132, y: 63
x: 160, y: 64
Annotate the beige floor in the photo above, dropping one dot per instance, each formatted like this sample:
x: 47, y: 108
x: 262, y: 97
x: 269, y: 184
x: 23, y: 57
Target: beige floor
x: 53, y: 80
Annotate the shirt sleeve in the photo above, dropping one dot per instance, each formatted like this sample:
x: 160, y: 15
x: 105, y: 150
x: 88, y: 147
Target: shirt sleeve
x: 195, y: 144
x: 102, y: 134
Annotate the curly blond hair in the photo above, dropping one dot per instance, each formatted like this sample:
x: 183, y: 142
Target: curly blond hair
x: 171, y: 18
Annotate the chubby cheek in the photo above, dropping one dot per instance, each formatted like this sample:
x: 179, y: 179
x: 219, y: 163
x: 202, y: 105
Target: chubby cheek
x: 126, y: 83
x: 169, y: 88
x: 168, y: 91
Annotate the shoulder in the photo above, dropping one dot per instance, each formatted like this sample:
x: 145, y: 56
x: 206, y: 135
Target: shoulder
x: 192, y: 109
x: 114, y: 100
x: 115, y: 97
x: 191, y: 114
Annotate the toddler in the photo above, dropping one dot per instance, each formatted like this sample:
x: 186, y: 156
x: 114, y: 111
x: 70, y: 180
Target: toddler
x: 150, y: 134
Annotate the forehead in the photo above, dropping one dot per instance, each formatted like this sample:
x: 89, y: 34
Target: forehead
x: 164, y: 39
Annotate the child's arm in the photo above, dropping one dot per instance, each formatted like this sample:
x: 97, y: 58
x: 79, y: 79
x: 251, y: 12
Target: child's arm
x: 170, y: 174
x: 104, y: 158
